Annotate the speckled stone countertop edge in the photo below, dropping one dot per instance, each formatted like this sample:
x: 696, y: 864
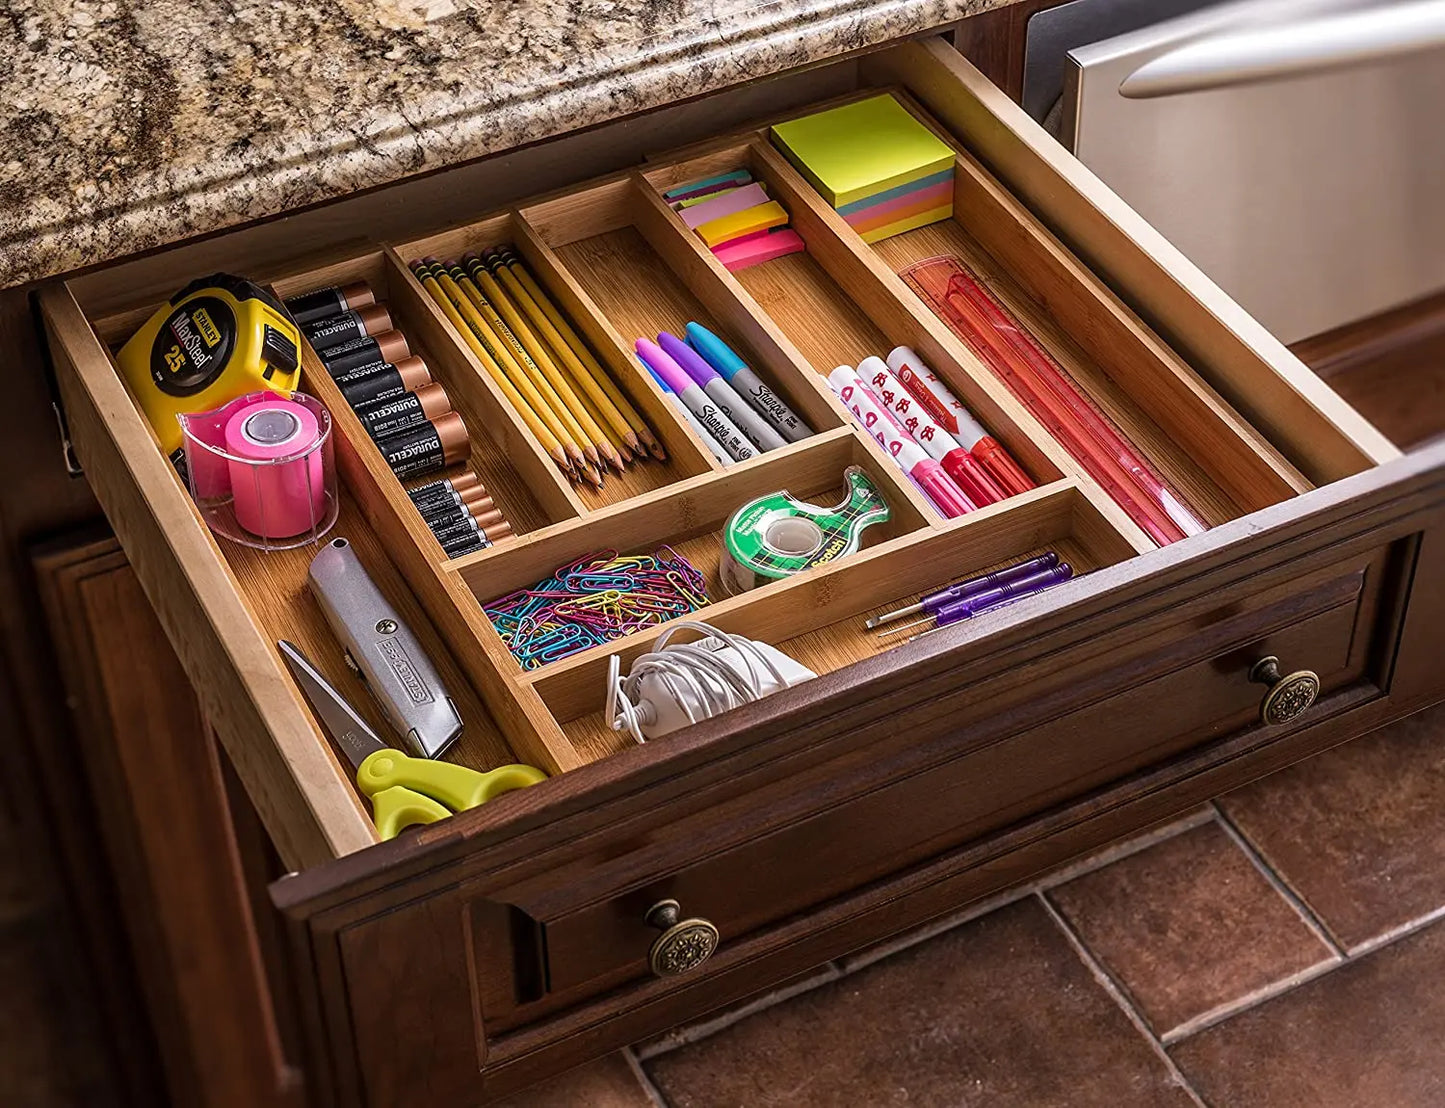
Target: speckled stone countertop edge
x: 167, y: 209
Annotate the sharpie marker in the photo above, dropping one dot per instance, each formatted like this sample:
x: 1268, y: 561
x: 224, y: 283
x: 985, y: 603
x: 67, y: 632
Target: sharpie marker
x: 926, y: 473
x: 749, y: 386
x: 954, y: 418
x: 957, y: 462
x: 708, y: 413
x: 759, y: 433
x: 714, y: 447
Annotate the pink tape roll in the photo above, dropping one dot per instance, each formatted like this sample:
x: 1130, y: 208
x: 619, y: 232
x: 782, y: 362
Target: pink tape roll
x: 280, y: 487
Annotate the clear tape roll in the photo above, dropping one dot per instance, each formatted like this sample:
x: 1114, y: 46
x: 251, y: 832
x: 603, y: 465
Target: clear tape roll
x: 778, y: 535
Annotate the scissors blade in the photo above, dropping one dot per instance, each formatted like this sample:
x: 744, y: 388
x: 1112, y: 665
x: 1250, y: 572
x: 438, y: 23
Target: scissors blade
x: 351, y: 732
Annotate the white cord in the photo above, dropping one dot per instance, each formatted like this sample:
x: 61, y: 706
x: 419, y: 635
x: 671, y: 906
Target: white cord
x: 692, y: 674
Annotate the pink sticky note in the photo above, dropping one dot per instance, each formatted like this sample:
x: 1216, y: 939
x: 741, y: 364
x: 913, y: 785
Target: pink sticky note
x: 756, y: 249
x: 737, y: 200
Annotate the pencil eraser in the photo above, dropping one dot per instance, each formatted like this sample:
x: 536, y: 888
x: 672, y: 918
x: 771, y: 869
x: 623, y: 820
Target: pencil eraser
x: 758, y: 218
x: 740, y: 255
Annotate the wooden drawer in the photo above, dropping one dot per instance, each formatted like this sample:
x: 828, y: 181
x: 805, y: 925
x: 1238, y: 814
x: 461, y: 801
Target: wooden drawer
x: 485, y: 951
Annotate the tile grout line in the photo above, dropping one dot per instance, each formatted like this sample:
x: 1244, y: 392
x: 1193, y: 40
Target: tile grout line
x: 1110, y: 986
x: 651, y: 1091
x: 1096, y: 860
x: 1293, y: 899
x: 1394, y: 934
x: 1228, y: 1010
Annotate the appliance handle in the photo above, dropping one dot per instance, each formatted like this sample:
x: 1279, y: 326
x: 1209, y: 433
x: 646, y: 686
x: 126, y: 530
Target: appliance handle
x: 1291, y: 49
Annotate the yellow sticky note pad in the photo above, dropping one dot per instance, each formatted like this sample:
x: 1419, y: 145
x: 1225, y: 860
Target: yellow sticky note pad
x: 760, y: 218
x: 853, y: 151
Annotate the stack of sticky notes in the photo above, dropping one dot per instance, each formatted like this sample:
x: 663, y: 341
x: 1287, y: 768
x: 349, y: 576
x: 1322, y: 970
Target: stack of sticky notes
x: 878, y: 166
x: 737, y: 220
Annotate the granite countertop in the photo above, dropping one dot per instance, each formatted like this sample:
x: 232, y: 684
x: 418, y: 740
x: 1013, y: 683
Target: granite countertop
x: 130, y: 124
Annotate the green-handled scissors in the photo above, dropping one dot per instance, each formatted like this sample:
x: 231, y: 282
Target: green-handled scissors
x: 404, y: 791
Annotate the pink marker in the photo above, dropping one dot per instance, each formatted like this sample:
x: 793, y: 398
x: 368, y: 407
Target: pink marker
x: 925, y: 471
x: 937, y: 443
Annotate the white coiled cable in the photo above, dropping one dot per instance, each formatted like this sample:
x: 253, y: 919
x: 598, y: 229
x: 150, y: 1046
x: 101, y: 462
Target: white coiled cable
x: 701, y: 682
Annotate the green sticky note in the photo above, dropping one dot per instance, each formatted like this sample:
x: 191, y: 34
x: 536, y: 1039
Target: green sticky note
x: 850, y: 152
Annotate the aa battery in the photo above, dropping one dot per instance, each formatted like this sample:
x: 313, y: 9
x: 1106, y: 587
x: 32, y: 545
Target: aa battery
x: 395, y: 414
x: 358, y: 323
x: 382, y: 381
x: 427, y: 446
x: 325, y: 303
x: 390, y: 346
x: 447, y: 490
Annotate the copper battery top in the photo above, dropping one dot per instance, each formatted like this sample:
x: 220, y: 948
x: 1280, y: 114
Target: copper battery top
x: 393, y: 347
x: 433, y: 399
x: 375, y: 319
x: 476, y: 498
x: 463, y: 481
x: 414, y: 374
x: 358, y: 294
x: 497, y: 531
x: 453, y: 434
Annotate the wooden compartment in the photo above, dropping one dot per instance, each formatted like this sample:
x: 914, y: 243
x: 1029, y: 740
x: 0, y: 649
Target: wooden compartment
x: 522, y: 480
x: 1222, y: 465
x: 686, y: 456
x: 819, y: 619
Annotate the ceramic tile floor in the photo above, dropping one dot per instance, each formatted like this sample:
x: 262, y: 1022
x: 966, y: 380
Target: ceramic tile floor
x: 1283, y: 946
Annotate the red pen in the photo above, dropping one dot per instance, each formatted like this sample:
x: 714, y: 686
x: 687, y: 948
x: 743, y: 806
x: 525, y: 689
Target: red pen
x: 926, y: 473
x: 938, y: 399
x: 1042, y: 384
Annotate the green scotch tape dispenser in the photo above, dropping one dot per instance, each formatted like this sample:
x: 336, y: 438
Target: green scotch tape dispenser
x: 778, y: 535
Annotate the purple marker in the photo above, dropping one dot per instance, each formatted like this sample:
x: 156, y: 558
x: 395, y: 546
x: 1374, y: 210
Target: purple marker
x: 708, y: 413
x: 713, y: 446
x: 723, y: 394
x: 931, y: 602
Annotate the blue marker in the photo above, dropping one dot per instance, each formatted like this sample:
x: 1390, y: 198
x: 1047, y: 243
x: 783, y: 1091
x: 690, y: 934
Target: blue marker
x: 714, y: 447
x: 744, y: 381
x: 759, y: 431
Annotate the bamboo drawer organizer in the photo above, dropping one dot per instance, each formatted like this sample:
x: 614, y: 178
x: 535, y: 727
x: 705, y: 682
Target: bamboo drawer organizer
x: 621, y: 264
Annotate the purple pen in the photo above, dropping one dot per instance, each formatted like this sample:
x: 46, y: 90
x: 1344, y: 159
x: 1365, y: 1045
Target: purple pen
x: 994, y: 597
x: 723, y: 394
x: 931, y: 602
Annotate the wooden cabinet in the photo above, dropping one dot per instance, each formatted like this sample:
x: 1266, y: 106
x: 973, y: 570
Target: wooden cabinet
x: 488, y: 950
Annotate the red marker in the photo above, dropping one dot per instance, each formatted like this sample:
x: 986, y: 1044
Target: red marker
x: 950, y: 413
x: 927, y: 474
x: 914, y: 417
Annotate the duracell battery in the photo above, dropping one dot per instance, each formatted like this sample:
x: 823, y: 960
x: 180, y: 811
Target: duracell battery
x: 427, y: 446
x: 359, y: 323
x: 461, y: 516
x: 468, y: 542
x: 443, y: 511
x: 383, y: 418
x: 382, y: 381
x: 389, y: 346
x: 444, y: 490
x: 327, y: 302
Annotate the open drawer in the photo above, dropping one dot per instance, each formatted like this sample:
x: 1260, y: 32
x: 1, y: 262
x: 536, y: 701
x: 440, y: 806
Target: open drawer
x: 490, y: 949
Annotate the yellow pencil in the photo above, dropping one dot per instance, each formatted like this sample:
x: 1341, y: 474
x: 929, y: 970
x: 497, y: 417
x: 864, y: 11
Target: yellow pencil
x: 637, y: 428
x: 506, y: 355
x: 577, y: 461
x: 543, y: 433
x: 540, y: 355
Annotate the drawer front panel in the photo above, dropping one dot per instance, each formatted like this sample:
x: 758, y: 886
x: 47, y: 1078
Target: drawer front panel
x: 1151, y: 706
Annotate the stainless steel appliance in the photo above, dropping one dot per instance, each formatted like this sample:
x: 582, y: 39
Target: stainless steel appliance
x: 1293, y: 149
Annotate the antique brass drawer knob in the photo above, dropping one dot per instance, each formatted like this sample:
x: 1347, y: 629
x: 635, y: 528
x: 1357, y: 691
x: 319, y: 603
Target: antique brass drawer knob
x: 683, y: 945
x: 1288, y: 695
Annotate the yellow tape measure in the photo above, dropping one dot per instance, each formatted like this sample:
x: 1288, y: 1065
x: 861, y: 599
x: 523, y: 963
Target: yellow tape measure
x: 220, y: 337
